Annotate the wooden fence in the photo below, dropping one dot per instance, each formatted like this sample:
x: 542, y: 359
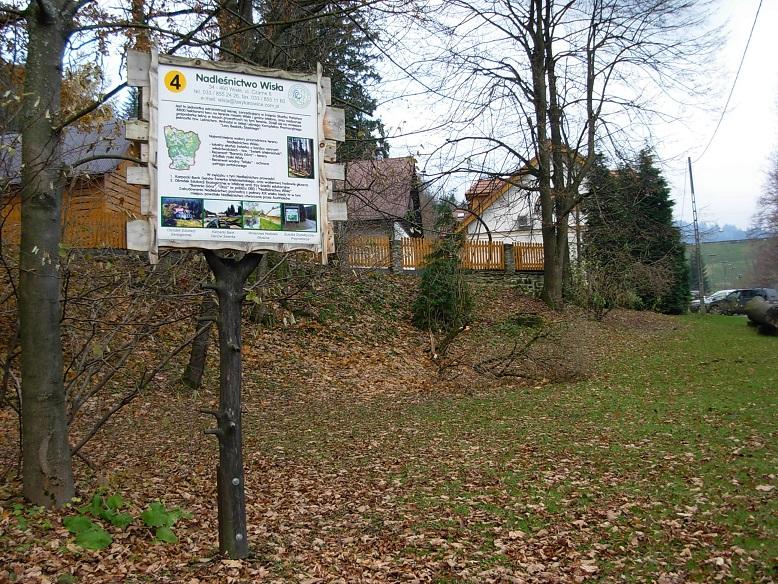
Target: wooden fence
x: 483, y: 255
x: 528, y: 257
x: 369, y: 252
x: 414, y: 252
x: 375, y: 252
x: 87, y: 228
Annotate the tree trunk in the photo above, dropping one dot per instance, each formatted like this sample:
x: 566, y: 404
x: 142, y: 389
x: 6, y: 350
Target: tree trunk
x: 552, y: 270
x: 230, y: 278
x: 763, y: 314
x: 193, y: 374
x: 46, y: 461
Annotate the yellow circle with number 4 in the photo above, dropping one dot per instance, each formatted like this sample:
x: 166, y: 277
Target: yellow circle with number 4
x: 175, y: 81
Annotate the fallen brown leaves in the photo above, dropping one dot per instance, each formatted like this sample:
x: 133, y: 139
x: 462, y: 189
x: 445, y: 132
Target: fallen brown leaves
x: 363, y: 466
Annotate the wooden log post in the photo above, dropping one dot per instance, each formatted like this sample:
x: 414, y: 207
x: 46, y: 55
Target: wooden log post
x: 763, y: 314
x: 230, y: 277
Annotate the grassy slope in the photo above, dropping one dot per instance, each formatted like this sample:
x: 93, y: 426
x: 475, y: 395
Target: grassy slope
x: 652, y: 469
x: 730, y: 264
x: 361, y: 465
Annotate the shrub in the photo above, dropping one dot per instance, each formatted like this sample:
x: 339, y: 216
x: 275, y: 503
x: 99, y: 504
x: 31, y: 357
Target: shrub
x: 444, y: 302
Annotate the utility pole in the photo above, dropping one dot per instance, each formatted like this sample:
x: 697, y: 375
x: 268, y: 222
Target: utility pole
x: 700, y: 275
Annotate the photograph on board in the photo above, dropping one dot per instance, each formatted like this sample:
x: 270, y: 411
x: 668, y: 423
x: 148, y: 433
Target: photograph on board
x: 298, y: 217
x: 263, y: 216
x: 299, y: 152
x: 177, y: 212
x: 218, y: 214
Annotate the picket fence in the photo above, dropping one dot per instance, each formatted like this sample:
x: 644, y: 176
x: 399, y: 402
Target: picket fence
x: 87, y: 228
x: 376, y: 252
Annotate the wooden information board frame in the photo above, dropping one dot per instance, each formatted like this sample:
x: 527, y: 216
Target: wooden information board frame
x: 142, y: 234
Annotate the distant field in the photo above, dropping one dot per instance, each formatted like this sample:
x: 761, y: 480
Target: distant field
x: 729, y: 264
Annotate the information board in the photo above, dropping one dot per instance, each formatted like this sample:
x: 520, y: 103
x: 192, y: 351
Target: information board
x: 237, y: 158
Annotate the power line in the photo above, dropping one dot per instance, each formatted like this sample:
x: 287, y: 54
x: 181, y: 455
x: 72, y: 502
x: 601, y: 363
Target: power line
x: 734, y: 83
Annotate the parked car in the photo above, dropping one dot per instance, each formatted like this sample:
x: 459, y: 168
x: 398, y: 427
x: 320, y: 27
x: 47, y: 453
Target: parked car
x: 694, y: 305
x: 735, y: 300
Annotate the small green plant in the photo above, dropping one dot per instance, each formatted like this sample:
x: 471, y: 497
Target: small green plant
x: 162, y: 520
x: 108, y: 509
x: 91, y: 535
x: 30, y: 516
x: 444, y: 301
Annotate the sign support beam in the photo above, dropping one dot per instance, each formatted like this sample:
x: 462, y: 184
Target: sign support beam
x: 230, y: 277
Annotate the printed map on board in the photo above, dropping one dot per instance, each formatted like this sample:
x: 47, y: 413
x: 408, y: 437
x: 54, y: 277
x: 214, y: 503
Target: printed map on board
x: 181, y: 147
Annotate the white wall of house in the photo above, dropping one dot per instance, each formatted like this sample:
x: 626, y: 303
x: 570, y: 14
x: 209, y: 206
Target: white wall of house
x: 515, y: 218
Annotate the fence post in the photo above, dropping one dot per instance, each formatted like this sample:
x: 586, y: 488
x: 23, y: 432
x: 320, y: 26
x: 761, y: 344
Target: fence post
x: 396, y: 252
x: 510, y: 260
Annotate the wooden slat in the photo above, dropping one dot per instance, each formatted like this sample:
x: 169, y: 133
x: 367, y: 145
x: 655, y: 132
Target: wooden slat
x: 136, y: 130
x: 138, y: 65
x: 337, y: 211
x: 330, y: 150
x: 145, y: 201
x: 326, y: 84
x: 483, y: 255
x: 528, y: 257
x: 335, y: 171
x: 415, y: 251
x: 369, y: 252
x: 138, y: 235
x: 138, y: 175
x: 335, y: 124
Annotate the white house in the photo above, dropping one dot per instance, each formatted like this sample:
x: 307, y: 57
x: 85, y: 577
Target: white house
x: 509, y: 211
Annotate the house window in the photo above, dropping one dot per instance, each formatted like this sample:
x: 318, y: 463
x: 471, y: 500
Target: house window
x: 522, y: 222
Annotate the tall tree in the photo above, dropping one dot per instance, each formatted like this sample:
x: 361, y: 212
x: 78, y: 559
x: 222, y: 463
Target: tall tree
x: 766, y: 224
x: 544, y: 83
x: 654, y: 207
x: 46, y: 465
x: 301, y: 34
x: 633, y: 250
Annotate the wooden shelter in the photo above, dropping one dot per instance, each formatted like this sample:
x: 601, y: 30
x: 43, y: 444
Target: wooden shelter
x: 97, y: 202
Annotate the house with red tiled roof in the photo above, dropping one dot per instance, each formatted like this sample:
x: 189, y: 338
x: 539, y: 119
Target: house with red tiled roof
x: 507, y: 208
x: 383, y: 197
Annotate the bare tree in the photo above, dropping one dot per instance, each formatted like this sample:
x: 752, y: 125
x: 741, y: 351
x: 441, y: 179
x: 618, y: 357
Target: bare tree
x: 542, y: 85
x: 766, y: 224
x: 44, y: 34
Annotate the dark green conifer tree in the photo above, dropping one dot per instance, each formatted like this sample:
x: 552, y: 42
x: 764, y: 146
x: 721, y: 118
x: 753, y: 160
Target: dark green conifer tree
x: 444, y: 302
x: 661, y: 240
x: 338, y: 37
x: 633, y: 251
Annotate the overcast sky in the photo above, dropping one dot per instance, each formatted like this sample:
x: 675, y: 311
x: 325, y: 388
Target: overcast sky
x: 729, y: 177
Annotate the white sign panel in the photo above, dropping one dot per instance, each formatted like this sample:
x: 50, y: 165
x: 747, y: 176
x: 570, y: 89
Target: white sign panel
x: 238, y: 158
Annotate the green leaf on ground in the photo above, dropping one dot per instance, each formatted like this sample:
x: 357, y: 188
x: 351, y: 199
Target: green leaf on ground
x: 95, y: 538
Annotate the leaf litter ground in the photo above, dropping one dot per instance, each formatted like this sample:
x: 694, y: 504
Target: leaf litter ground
x: 640, y: 448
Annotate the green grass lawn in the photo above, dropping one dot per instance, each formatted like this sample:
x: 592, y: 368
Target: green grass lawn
x: 664, y: 465
x: 658, y: 468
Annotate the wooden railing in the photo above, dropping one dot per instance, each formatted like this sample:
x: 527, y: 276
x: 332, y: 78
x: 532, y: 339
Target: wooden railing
x: 415, y: 250
x: 369, y: 252
x: 483, y: 255
x: 528, y: 257
x: 375, y: 252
